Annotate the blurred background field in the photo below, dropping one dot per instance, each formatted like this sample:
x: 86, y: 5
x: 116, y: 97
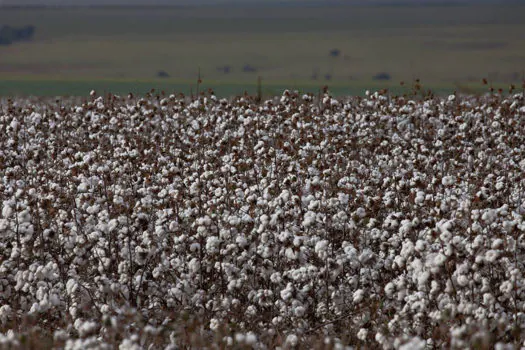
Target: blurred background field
x: 348, y: 47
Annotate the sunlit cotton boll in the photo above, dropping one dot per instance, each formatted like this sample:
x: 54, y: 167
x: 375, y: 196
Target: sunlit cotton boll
x: 212, y: 244
x: 448, y: 180
x: 358, y: 296
x: 7, y: 211
x: 321, y: 249
x: 309, y: 219
x: 362, y: 334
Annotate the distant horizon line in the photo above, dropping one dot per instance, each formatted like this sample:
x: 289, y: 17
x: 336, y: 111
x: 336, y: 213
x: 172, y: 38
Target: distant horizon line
x: 267, y: 3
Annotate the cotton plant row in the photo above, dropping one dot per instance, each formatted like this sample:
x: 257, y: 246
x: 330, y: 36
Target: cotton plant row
x: 166, y: 222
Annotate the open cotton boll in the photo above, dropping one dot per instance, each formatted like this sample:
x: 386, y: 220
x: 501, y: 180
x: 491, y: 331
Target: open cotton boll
x: 361, y: 212
x: 309, y: 219
x: 292, y: 340
x: 321, y: 248
x: 420, y: 197
x: 358, y: 296
x: 462, y: 280
x: 71, y: 286
x: 362, y: 334
x: 415, y: 343
x: 448, y: 180
x: 212, y: 244
x: 7, y: 211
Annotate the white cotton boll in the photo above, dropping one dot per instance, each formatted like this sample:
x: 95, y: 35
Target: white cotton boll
x: 362, y: 334
x: 497, y: 243
x: 277, y: 320
x: 5, y: 312
x: 506, y: 287
x: 129, y: 344
x: 399, y: 261
x: 35, y: 308
x: 251, y: 311
x: 448, y: 180
x: 194, y: 265
x: 214, y: 324
x: 4, y: 224
x: 380, y: 338
x: 340, y: 217
x: 415, y: 343
x: 389, y: 289
x: 276, y: 278
x: 93, y: 209
x: 420, y: 245
x: 434, y: 287
x: 105, y: 309
x: 286, y: 293
x: 83, y: 187
x: 7, y: 211
x: 212, y: 244
x: 489, y: 216
x: 250, y: 339
x: 234, y: 220
x: 360, y: 212
x: 321, y: 248
x: 344, y: 198
x: 241, y: 241
x: 508, y: 226
x: 40, y: 293
x: 420, y: 197
x: 227, y: 340
x: 422, y: 279
x: 350, y: 251
x: 313, y: 205
x: 291, y: 254
x: 195, y: 247
x: 366, y: 256
x: 14, y: 124
x: 445, y: 236
x: 292, y: 340
x: 478, y: 242
x: 71, y: 286
x: 462, y: 280
x: 491, y: 255
x: 265, y: 219
x: 309, y: 219
x: 298, y: 241
x: 239, y: 338
x: 504, y: 346
x: 358, y: 296
x: 408, y: 249
x: 299, y: 311
x: 488, y: 299
x: 44, y: 305
x: 85, y: 328
x: 112, y: 225
x: 440, y: 259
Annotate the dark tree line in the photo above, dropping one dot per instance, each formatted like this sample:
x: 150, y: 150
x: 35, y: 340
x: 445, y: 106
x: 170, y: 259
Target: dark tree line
x: 10, y: 35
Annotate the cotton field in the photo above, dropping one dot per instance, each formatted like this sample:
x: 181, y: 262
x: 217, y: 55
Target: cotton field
x: 298, y: 222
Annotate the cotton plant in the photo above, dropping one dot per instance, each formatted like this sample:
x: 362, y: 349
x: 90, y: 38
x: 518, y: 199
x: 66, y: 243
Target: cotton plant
x: 378, y: 221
